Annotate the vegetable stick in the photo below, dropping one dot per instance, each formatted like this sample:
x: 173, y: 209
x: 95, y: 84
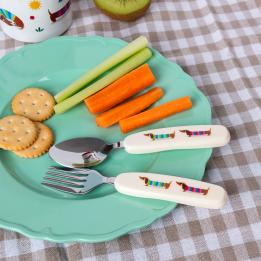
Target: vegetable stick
x: 129, y: 108
x: 125, y: 67
x: 155, y: 114
x: 126, y: 52
x: 120, y: 90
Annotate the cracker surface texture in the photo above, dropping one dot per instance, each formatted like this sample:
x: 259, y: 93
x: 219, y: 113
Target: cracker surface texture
x: 41, y: 145
x: 34, y: 103
x: 17, y: 133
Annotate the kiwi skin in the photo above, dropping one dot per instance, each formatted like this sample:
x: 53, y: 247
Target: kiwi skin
x: 125, y: 17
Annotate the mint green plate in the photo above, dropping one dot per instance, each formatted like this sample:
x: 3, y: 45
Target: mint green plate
x: 39, y: 212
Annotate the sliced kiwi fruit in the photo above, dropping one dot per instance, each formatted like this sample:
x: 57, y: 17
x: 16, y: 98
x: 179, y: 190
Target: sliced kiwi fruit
x: 125, y: 10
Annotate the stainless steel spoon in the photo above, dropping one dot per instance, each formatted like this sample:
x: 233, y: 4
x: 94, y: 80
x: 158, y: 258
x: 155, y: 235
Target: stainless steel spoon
x: 82, y: 152
x: 86, y: 152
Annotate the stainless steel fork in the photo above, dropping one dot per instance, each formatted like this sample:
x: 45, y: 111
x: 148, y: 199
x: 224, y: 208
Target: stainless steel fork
x: 74, y: 181
x: 138, y: 184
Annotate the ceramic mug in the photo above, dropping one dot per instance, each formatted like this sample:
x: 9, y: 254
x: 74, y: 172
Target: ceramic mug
x: 35, y: 20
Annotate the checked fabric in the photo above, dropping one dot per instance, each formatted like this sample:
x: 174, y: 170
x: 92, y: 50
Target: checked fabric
x: 219, y: 44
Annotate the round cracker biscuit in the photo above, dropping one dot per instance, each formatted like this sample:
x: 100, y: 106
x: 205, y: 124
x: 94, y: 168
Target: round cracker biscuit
x: 17, y: 133
x: 34, y: 103
x: 41, y: 145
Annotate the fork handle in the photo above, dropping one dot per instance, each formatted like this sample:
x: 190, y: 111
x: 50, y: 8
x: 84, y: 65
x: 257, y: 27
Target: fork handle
x: 171, y: 188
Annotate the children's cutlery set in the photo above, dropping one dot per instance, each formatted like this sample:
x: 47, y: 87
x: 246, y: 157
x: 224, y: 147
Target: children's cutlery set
x: 76, y: 155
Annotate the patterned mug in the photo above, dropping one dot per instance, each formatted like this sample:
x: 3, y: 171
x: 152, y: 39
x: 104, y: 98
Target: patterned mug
x: 35, y: 20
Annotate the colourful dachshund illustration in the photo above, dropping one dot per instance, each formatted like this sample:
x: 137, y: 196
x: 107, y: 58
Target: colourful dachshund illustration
x: 11, y: 19
x: 160, y: 136
x: 196, y: 133
x: 192, y: 189
x: 159, y: 184
x: 55, y: 16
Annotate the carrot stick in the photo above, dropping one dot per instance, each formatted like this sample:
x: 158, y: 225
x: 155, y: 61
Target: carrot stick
x: 120, y: 56
x: 120, y: 90
x: 155, y: 114
x: 129, y: 108
x: 131, y: 63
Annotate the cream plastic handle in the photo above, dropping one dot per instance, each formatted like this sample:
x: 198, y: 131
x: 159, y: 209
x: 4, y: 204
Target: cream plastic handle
x: 157, y: 186
x: 193, y: 137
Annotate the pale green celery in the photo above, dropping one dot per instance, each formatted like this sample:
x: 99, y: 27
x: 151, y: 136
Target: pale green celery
x: 127, y: 66
x: 123, y: 54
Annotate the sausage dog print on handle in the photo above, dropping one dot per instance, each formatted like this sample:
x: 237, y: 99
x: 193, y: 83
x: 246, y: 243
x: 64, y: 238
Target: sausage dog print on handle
x: 197, y: 133
x: 154, y: 183
x: 160, y: 136
x: 185, y: 187
x: 163, y: 187
x: 183, y: 137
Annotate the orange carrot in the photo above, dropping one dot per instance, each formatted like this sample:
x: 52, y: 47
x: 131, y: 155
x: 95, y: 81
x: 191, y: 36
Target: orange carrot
x: 129, y: 108
x: 155, y: 114
x: 120, y: 90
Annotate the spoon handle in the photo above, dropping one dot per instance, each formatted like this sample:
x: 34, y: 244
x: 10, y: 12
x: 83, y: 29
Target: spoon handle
x: 171, y: 188
x: 174, y: 138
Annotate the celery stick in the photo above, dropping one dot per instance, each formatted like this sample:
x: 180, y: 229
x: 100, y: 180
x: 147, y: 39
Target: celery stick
x: 129, y: 50
x: 127, y: 66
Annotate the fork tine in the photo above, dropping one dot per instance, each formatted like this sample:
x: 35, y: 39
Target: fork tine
x: 59, y: 168
x: 65, y: 169
x: 65, y: 181
x: 71, y: 190
x: 81, y: 172
x: 67, y: 176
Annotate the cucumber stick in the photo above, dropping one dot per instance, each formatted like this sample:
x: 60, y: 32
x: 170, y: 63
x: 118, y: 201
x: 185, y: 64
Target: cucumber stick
x: 126, y: 52
x: 125, y: 67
